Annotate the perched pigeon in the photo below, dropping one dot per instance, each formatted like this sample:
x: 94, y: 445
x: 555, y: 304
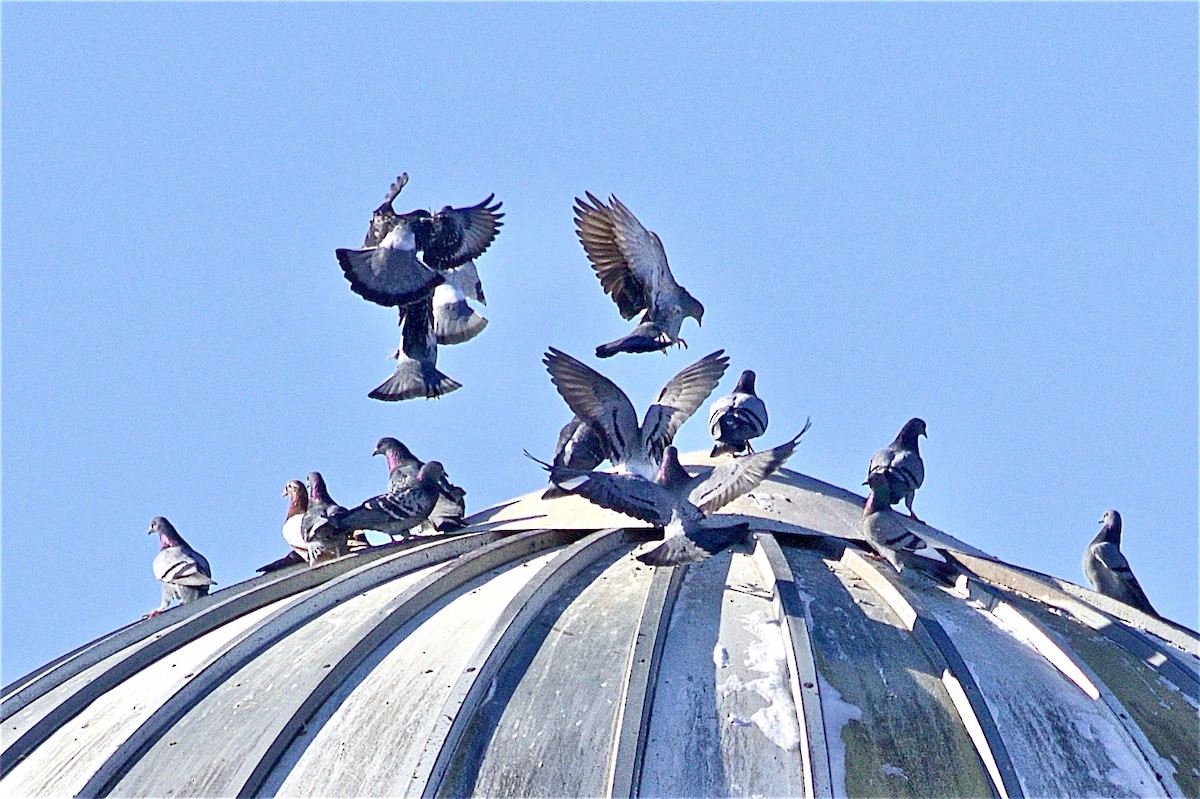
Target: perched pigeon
x: 1108, y: 570
x: 454, y: 321
x: 448, y: 514
x: 882, y: 527
x: 598, y: 401
x: 323, y: 537
x: 632, y: 267
x: 407, y: 503
x: 416, y: 372
x: 184, y: 572
x: 297, y: 503
x: 736, y: 418
x: 900, y: 462
x: 678, y: 502
x: 578, y: 448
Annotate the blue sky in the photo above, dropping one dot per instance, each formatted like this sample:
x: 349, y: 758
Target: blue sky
x: 983, y: 215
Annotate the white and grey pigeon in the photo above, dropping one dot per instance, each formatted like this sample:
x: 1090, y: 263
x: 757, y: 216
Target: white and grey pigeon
x: 900, y: 463
x: 392, y: 511
x: 598, y: 401
x: 323, y: 537
x: 632, y: 267
x: 184, y: 573
x: 679, y: 502
x: 297, y: 503
x: 454, y: 320
x: 882, y: 527
x: 416, y: 372
x: 736, y: 418
x: 406, y: 504
x: 578, y: 447
x: 1108, y: 570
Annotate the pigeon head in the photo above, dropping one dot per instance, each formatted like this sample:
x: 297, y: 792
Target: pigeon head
x: 908, y: 434
x: 692, y: 307
x: 395, y: 452
x: 317, y: 493
x: 168, y: 536
x: 671, y: 472
x: 431, y: 473
x: 745, y: 384
x: 297, y: 497
x: 1112, y: 526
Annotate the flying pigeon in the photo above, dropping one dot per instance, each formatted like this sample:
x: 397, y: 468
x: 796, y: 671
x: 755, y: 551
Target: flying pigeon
x: 454, y: 321
x: 416, y: 372
x: 900, y: 462
x: 578, y: 448
x: 323, y: 537
x: 598, y: 401
x: 632, y: 267
x: 679, y: 502
x: 1109, y: 571
x: 184, y: 572
x: 449, y: 512
x: 882, y: 527
x: 736, y: 418
x: 297, y: 503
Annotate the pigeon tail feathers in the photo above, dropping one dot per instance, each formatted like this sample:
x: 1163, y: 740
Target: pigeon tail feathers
x: 413, y: 379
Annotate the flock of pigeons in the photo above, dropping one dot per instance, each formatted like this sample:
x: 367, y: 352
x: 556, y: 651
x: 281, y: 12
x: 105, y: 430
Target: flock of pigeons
x: 424, y: 265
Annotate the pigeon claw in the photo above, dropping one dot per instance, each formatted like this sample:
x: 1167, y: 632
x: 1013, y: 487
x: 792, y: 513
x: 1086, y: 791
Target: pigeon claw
x: 151, y: 614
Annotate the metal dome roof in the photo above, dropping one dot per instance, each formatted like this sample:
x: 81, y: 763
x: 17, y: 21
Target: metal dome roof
x: 533, y: 656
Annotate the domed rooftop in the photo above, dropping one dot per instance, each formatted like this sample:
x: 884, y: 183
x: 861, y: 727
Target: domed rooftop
x: 533, y: 656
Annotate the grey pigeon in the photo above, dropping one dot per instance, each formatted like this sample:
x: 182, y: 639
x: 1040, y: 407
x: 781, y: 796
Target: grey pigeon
x: 1109, y: 571
x: 454, y: 236
x: 578, y: 447
x: 736, y: 418
x: 598, y: 401
x: 406, y: 504
x: 454, y: 320
x: 449, y: 512
x: 632, y: 267
x: 882, y: 527
x: 416, y: 372
x: 297, y: 503
x: 900, y: 463
x: 184, y: 572
x: 323, y: 537
x: 679, y: 502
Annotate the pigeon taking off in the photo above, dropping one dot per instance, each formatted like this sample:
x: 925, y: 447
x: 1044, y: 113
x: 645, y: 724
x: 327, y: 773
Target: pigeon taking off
x: 184, y: 572
x: 1109, y: 571
x: 632, y: 266
x: 736, y: 418
x: 297, y: 503
x: 416, y: 372
x: 449, y: 512
x: 598, y: 401
x: 883, y: 529
x: 323, y: 537
x: 900, y: 463
x: 578, y: 448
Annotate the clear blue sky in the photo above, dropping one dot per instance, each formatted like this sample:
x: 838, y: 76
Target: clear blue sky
x: 983, y: 215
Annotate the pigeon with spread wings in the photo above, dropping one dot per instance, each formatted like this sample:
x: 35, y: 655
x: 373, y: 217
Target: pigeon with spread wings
x: 602, y: 404
x: 632, y: 267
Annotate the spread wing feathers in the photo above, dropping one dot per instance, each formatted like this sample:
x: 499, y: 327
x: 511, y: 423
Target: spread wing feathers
x: 596, y: 400
x: 454, y: 321
x: 390, y: 274
x: 1115, y: 577
x: 182, y: 566
x: 385, y: 217
x: 456, y: 235
x: 596, y: 227
x: 679, y: 399
x: 729, y: 480
x: 648, y: 336
x: 695, y: 545
x: 625, y: 493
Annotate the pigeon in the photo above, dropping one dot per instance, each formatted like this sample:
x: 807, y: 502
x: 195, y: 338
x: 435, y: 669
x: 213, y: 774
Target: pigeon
x: 297, y: 503
x: 578, y: 448
x: 679, y: 502
x: 632, y: 267
x: 900, y: 462
x: 1109, y: 571
x: 882, y: 527
x: 736, y: 418
x: 416, y: 372
x: 455, y: 236
x: 323, y: 537
x: 598, y: 401
x: 449, y: 512
x: 406, y: 504
x: 454, y: 321
x: 184, y: 572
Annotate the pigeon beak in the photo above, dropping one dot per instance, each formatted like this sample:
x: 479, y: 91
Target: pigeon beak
x: 284, y: 494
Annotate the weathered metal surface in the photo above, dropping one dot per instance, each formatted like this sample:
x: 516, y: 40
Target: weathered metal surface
x: 891, y: 726
x: 1062, y: 742
x: 546, y: 728
x: 637, y: 698
x: 723, y: 722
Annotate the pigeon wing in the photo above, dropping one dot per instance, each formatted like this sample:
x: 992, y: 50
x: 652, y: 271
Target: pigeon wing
x: 390, y: 274
x: 679, y: 399
x: 641, y: 248
x: 596, y: 227
x: 459, y: 234
x: 625, y: 493
x: 596, y: 400
x: 729, y: 480
x: 695, y: 545
x: 1113, y: 560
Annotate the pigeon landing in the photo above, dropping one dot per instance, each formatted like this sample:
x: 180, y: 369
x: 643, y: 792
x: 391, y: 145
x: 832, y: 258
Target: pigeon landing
x: 416, y: 372
x: 1108, y: 570
x: 598, y: 401
x: 632, y: 267
x: 297, y: 503
x: 900, y: 463
x: 323, y: 538
x: 578, y: 448
x: 184, y: 572
x: 736, y: 418
x: 882, y: 527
